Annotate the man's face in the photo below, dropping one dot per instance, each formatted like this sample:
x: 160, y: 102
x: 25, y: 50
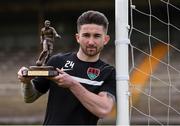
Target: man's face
x: 92, y: 39
x: 47, y: 24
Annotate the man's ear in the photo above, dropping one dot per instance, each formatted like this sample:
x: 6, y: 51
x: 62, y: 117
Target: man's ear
x: 106, y: 39
x: 77, y: 37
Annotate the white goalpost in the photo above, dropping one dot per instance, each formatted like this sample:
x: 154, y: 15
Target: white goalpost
x: 122, y: 71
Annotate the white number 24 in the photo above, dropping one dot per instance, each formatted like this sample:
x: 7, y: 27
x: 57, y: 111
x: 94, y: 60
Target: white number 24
x: 69, y: 64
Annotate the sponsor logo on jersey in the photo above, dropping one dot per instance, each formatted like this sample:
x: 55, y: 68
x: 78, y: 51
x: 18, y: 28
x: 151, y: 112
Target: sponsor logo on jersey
x: 93, y: 73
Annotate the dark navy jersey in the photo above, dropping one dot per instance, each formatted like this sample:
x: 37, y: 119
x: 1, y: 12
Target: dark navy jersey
x: 63, y: 107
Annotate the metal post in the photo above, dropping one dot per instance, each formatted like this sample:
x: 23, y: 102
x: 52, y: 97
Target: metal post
x: 122, y: 74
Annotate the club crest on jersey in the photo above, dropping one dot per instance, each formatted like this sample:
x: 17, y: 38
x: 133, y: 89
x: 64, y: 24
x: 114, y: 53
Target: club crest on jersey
x: 93, y: 73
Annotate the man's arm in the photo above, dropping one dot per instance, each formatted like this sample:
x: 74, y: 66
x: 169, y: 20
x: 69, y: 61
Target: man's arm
x: 99, y: 104
x: 30, y: 94
x: 55, y: 33
x: 42, y: 36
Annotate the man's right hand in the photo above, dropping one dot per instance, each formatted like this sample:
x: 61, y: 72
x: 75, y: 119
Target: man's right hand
x: 25, y: 80
x: 58, y: 36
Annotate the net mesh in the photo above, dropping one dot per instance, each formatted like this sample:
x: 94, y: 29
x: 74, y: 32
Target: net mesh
x: 154, y: 62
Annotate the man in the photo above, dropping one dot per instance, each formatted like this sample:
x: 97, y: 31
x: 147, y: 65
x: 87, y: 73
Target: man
x: 85, y: 89
x: 47, y: 39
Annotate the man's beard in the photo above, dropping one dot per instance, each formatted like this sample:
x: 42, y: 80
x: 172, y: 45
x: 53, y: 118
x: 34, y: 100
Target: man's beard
x: 95, y: 51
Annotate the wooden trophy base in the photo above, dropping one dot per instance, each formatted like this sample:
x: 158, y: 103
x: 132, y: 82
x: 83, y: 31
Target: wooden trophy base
x: 42, y: 71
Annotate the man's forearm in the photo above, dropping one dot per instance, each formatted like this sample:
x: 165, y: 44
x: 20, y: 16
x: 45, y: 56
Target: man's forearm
x: 100, y: 105
x: 29, y: 93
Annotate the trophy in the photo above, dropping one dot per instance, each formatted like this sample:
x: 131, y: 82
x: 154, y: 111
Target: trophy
x: 47, y: 39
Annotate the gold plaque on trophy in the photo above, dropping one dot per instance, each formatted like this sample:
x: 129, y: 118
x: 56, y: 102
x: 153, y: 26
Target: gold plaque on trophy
x: 43, y: 71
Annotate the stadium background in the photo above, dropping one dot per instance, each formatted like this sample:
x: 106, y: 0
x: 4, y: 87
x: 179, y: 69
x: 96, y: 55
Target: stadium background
x: 19, y: 45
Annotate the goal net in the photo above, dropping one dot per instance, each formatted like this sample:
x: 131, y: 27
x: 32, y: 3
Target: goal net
x: 154, y: 62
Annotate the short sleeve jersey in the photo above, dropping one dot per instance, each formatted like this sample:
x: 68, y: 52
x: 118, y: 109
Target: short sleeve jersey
x: 63, y: 107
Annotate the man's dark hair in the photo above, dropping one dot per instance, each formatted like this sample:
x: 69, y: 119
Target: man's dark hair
x: 93, y: 17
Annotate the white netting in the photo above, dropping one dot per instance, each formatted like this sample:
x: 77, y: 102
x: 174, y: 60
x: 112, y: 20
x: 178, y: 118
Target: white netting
x: 155, y: 66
